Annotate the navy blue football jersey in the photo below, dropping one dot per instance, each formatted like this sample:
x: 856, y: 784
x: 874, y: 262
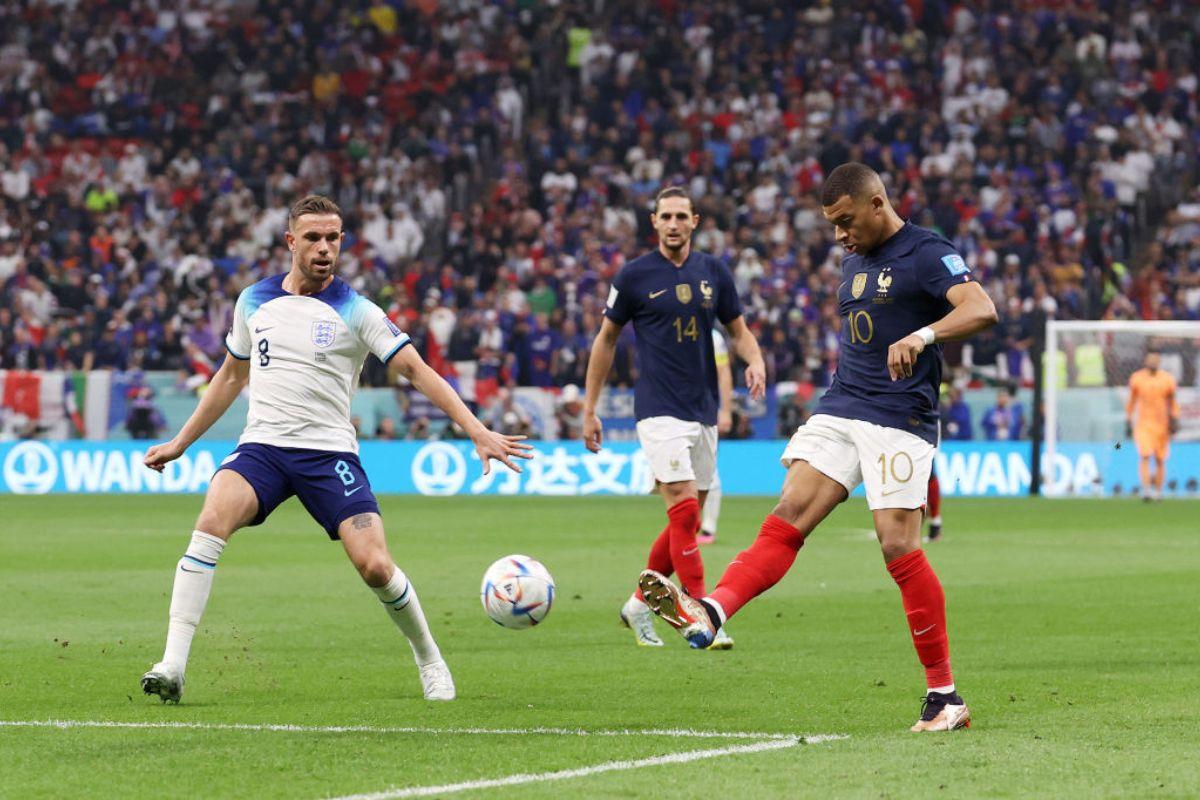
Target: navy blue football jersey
x: 673, y: 311
x: 884, y: 296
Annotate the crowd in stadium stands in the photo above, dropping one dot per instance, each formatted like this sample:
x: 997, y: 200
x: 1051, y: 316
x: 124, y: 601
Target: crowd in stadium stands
x: 495, y: 162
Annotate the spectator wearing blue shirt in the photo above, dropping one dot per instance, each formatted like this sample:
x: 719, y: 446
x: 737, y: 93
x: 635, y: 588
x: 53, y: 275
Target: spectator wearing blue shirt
x: 956, y: 417
x: 1005, y: 420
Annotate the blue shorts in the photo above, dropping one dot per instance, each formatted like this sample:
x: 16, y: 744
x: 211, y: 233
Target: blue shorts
x: 332, y: 486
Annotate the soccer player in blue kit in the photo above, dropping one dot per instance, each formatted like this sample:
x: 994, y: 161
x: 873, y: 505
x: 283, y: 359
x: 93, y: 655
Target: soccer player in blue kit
x: 674, y: 296
x: 903, y: 290
x: 299, y: 340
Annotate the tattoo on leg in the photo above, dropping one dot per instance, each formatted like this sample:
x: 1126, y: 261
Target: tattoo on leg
x: 361, y: 521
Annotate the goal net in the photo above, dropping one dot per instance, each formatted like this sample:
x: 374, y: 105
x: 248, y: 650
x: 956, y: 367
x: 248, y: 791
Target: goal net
x: 1088, y: 364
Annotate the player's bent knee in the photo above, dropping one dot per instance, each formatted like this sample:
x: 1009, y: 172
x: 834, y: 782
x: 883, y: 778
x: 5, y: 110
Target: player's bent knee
x: 893, y: 550
x: 214, y: 525
x: 678, y: 491
x: 788, y: 509
x: 376, y: 569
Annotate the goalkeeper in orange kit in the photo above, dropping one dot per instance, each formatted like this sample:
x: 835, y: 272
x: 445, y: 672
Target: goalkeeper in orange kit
x: 1152, y: 415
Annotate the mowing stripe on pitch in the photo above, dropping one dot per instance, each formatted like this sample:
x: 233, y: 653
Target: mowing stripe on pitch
x: 675, y: 733
x: 763, y: 741
x: 608, y: 766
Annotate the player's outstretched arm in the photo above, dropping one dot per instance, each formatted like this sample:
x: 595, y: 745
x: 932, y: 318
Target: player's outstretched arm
x: 488, y: 443
x: 973, y: 311
x: 222, y: 390
x: 604, y: 348
x: 746, y: 346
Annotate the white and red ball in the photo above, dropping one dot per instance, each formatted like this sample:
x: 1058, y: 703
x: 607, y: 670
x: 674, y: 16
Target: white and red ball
x: 517, y: 592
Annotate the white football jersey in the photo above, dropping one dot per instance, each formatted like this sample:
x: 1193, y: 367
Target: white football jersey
x: 720, y: 348
x: 305, y: 354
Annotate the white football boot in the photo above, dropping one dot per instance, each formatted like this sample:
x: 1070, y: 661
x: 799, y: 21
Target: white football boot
x: 636, y: 616
x: 436, y: 681
x: 164, y: 680
x: 942, y: 712
x: 722, y: 641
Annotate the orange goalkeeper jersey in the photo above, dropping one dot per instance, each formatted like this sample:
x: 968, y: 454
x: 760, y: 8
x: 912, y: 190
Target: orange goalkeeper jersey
x: 1152, y: 399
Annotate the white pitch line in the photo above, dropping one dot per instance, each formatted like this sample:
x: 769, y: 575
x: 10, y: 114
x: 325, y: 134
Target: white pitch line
x: 676, y: 733
x: 763, y: 742
x: 609, y: 766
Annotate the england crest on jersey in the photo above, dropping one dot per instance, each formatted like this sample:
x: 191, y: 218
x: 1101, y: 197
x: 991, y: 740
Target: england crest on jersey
x: 322, y: 333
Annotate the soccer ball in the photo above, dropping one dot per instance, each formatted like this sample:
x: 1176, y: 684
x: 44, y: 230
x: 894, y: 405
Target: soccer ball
x: 517, y: 592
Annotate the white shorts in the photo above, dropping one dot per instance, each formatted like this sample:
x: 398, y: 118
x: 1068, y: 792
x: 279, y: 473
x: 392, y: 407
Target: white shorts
x: 679, y: 450
x: 892, y: 464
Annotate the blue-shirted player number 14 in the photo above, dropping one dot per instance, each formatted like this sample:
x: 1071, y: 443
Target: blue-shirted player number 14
x: 688, y: 329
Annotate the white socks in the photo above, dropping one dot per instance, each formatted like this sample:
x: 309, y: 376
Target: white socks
x: 400, y: 599
x: 712, y: 509
x: 193, y: 582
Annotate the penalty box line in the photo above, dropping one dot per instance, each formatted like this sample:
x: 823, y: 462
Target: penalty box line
x: 763, y: 742
x: 595, y: 769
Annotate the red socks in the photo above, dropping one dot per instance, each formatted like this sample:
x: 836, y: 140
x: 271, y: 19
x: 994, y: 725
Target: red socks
x: 659, y: 559
x: 684, y: 519
x: 925, y: 607
x: 934, y: 504
x: 760, y: 567
x: 676, y: 550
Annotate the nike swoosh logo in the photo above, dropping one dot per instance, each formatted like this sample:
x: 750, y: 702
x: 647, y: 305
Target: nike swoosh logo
x: 656, y: 294
x: 352, y: 491
x: 197, y: 571
x: 924, y: 630
x: 260, y: 330
x: 893, y: 491
x: 693, y: 550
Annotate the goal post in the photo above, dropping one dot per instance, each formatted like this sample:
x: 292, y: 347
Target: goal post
x: 1086, y: 370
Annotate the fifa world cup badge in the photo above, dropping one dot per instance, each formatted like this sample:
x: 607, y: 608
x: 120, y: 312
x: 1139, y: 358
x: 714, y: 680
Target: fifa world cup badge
x: 860, y: 284
x: 683, y: 292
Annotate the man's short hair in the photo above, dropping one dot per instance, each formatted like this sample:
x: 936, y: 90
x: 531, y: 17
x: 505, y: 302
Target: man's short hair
x: 674, y: 191
x: 312, y: 204
x: 852, y: 178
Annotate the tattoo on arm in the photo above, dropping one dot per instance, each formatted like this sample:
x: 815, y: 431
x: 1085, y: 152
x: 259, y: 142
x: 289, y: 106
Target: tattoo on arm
x: 361, y: 521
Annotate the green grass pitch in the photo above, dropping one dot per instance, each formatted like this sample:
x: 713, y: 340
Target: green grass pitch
x: 1073, y: 632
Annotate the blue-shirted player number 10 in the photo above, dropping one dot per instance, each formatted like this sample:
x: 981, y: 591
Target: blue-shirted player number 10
x: 862, y: 327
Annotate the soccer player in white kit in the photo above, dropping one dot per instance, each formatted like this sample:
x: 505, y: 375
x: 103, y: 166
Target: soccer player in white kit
x: 299, y: 340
